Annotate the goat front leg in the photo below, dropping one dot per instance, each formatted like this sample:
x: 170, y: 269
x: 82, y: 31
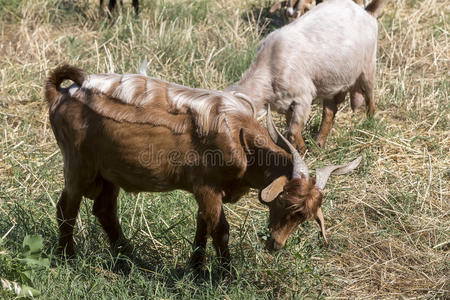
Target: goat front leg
x: 220, y: 237
x: 330, y: 107
x: 210, y: 222
x: 296, y: 118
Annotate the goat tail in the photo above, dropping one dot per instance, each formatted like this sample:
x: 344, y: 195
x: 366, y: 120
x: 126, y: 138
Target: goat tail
x: 375, y: 7
x: 57, y: 76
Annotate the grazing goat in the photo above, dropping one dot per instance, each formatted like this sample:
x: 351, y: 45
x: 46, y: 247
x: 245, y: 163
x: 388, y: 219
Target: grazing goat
x: 293, y: 8
x: 296, y: 8
x: 112, y: 5
x: 324, y: 54
x: 144, y: 134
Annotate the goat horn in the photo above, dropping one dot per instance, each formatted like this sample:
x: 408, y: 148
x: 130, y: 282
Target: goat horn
x: 299, y: 166
x: 246, y: 99
x: 321, y: 221
x: 324, y: 173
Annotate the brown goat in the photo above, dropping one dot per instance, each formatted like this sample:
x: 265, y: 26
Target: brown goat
x: 143, y: 134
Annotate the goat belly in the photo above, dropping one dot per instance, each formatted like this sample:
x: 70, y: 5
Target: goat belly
x: 142, y: 157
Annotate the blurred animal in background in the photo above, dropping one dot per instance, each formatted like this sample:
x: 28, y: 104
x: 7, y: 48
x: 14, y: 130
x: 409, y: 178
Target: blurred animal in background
x: 112, y: 5
x: 327, y: 53
x: 296, y: 8
x: 293, y: 8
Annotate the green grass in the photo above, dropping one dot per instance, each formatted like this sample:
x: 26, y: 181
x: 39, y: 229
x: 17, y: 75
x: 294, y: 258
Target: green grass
x: 387, y: 222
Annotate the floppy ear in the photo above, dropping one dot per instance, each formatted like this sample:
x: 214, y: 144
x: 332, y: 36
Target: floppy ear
x: 269, y: 193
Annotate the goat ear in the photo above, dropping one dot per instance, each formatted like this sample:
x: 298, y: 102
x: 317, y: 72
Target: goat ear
x: 269, y: 193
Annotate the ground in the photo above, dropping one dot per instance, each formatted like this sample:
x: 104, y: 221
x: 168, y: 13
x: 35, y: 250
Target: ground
x: 388, y: 222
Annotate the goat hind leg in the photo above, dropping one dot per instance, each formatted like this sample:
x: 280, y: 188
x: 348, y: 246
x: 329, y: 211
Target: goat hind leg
x: 66, y: 212
x: 105, y: 209
x: 366, y: 83
x: 369, y: 94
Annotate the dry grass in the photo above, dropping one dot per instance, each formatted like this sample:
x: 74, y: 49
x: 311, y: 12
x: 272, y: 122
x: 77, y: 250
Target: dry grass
x: 389, y: 222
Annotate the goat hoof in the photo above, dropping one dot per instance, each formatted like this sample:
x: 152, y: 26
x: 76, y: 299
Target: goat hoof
x: 226, y: 270
x: 320, y: 144
x: 123, y: 247
x: 198, y: 267
x: 122, y: 265
x: 300, y: 148
x: 197, y: 262
x: 320, y: 141
x: 66, y: 252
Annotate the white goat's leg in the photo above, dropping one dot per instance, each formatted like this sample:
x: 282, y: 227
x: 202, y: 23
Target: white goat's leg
x: 297, y: 118
x: 330, y: 107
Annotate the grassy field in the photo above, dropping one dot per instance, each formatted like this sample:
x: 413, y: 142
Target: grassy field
x: 388, y: 222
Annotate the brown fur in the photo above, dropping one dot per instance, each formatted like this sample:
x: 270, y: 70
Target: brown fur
x: 301, y: 7
x: 102, y: 155
x: 158, y: 111
x: 375, y: 7
x: 298, y: 202
x: 303, y: 197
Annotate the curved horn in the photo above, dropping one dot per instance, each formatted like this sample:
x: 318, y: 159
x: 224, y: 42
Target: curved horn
x: 322, y: 174
x: 299, y: 166
x: 246, y: 99
x: 321, y: 221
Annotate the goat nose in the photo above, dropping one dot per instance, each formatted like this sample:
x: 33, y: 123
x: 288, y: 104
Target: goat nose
x: 273, y: 245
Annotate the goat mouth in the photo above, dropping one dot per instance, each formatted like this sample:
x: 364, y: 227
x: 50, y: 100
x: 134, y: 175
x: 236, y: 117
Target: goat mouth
x: 273, y: 245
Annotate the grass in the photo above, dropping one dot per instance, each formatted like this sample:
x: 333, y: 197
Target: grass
x: 388, y: 222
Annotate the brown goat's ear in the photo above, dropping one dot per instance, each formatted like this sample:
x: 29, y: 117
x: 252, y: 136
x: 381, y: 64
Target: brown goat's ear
x: 269, y: 193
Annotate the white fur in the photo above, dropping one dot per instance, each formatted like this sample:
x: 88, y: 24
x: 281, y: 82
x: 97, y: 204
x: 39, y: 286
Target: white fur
x: 318, y: 55
x: 200, y: 102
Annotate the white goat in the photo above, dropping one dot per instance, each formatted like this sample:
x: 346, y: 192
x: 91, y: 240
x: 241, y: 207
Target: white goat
x: 328, y: 52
